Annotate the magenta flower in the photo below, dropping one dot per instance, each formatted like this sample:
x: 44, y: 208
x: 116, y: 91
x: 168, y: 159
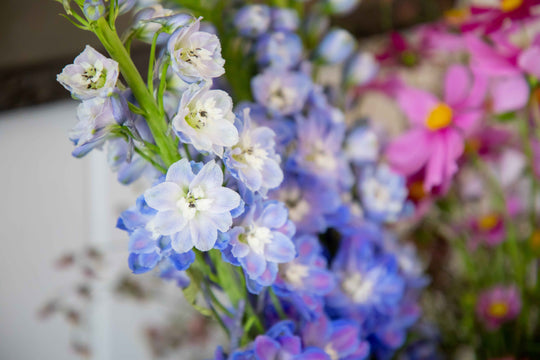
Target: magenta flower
x: 437, y: 137
x: 487, y: 229
x: 498, y: 305
x: 489, y: 19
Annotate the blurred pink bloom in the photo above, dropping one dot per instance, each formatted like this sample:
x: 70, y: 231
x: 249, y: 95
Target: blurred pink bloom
x: 506, y: 65
x: 439, y: 128
x: 498, y: 305
x: 488, y: 229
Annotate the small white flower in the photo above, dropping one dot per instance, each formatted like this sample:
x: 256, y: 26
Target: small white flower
x: 195, y: 55
x: 91, y: 75
x: 205, y: 120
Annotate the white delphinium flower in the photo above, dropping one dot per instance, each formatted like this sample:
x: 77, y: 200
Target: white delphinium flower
x: 205, y: 120
x: 195, y: 55
x: 91, y: 75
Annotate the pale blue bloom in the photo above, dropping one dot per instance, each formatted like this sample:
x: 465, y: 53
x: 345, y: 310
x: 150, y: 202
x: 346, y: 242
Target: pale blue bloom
x: 336, y: 46
x: 383, y: 193
x: 360, y: 69
x: 195, y: 55
x: 284, y: 19
x: 91, y: 75
x: 253, y: 159
x: 205, y: 120
x: 281, y: 49
x: 95, y: 126
x: 362, y: 146
x: 261, y: 240
x: 252, y: 20
x: 282, y: 92
x: 191, y: 208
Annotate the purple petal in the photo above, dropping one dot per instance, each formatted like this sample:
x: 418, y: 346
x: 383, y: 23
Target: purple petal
x: 180, y: 173
x: 281, y: 249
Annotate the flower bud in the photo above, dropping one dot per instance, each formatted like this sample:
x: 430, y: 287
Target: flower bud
x: 360, y: 69
x: 336, y: 46
x: 94, y: 9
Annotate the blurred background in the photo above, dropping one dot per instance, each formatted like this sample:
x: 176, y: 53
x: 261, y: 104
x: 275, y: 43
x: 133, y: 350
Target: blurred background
x: 56, y: 210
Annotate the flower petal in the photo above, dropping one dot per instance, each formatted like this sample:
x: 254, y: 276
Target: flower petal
x: 163, y: 197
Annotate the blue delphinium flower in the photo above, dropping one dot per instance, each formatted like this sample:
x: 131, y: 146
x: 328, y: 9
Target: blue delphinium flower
x: 191, y: 208
x: 284, y: 19
x: 309, y: 201
x: 319, y: 151
x: 281, y: 49
x: 148, y: 249
x: 195, y: 55
x: 332, y: 340
x: 91, y: 75
x: 306, y: 279
x: 253, y: 159
x: 383, y: 193
x: 252, y: 20
x: 261, y: 240
x: 370, y: 283
x: 205, y: 120
x: 360, y: 69
x: 362, y: 146
x: 282, y: 92
x: 336, y: 46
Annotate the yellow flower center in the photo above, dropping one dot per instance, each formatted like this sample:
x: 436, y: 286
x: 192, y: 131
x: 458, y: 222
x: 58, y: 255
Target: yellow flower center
x: 510, y: 5
x: 488, y: 222
x: 457, y: 16
x: 440, y: 117
x: 498, y: 309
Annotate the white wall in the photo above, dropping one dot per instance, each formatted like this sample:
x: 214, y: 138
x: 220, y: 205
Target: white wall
x: 52, y: 203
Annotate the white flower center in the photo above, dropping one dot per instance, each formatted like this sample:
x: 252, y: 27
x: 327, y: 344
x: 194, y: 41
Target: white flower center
x: 94, y: 75
x: 321, y: 157
x: 358, y: 288
x: 298, y: 206
x: 329, y: 349
x: 280, y: 97
x: 193, y: 202
x: 258, y: 237
x: 195, y: 56
x: 295, y: 273
x: 203, y: 112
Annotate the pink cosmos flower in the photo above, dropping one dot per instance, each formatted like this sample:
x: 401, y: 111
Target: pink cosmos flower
x: 506, y: 65
x: 489, y: 19
x: 439, y: 127
x: 498, y: 305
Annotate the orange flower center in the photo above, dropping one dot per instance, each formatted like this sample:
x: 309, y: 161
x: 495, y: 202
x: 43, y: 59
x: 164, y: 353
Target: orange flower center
x: 510, y: 5
x: 440, y: 117
x: 416, y: 190
x: 498, y: 309
x: 488, y: 222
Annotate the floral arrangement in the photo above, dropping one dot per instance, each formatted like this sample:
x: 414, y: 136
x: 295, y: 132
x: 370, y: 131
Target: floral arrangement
x: 303, y: 228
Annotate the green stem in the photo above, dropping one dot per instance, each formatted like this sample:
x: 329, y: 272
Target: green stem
x: 277, y: 304
x: 156, y: 122
x: 150, y: 76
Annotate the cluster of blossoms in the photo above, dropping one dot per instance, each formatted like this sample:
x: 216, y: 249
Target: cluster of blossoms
x: 267, y: 189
